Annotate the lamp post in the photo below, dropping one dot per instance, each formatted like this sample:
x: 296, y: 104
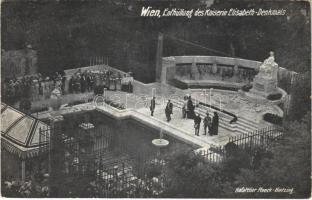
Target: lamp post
x: 210, y: 94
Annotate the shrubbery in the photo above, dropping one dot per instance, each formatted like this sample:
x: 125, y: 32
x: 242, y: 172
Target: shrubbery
x: 274, y: 97
x: 272, y: 118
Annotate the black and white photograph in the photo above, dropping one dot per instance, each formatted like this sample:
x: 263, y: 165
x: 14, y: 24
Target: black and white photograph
x: 156, y: 99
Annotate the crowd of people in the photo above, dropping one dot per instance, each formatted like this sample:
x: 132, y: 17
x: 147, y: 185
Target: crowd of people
x: 224, y: 72
x: 30, y: 87
x: 96, y: 81
x: 38, y: 87
x: 188, y: 112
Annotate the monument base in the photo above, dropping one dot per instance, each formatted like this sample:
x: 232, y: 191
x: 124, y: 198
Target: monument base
x: 263, y: 86
x: 265, y: 83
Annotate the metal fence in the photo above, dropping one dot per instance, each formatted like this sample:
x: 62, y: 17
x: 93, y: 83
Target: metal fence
x: 95, y: 155
x: 214, y: 154
x: 122, y: 180
x: 249, y: 142
x: 262, y: 138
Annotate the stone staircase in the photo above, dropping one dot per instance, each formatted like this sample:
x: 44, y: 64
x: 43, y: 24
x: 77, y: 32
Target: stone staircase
x: 241, y: 126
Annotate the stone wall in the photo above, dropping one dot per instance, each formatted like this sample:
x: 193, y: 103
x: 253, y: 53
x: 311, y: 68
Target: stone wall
x: 171, y: 64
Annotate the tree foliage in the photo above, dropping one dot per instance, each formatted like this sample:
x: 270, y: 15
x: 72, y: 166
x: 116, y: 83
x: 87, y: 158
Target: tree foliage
x: 67, y: 33
x: 288, y: 168
x: 300, y: 102
x: 188, y: 177
x: 285, y: 165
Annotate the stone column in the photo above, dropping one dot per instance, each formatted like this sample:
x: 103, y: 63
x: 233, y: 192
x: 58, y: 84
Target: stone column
x: 168, y: 69
x: 194, y: 70
x: 235, y: 68
x: 214, y: 66
x: 159, y: 55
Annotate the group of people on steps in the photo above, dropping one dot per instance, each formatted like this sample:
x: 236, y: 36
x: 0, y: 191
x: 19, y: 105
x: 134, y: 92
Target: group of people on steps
x: 188, y: 111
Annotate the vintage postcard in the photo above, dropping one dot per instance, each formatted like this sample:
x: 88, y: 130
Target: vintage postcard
x: 155, y: 99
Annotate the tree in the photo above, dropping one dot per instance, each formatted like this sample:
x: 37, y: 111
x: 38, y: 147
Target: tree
x: 300, y: 102
x: 236, y: 159
x: 67, y: 33
x: 285, y: 165
x: 289, y: 167
x: 253, y: 37
x: 188, y: 177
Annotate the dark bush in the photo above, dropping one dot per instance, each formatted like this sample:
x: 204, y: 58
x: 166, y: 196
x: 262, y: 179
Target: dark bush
x: 272, y: 118
x: 273, y: 97
x: 246, y: 88
x: 231, y: 149
x: 153, y: 170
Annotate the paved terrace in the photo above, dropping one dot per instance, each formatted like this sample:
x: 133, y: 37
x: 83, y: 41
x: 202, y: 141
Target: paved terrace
x: 137, y: 107
x: 178, y: 128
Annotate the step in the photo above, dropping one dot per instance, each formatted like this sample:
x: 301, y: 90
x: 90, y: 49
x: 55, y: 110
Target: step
x: 248, y: 122
x: 243, y: 130
x: 242, y: 125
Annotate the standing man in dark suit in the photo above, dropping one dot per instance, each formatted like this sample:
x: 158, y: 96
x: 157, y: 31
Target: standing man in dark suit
x: 152, y: 107
x: 168, y: 110
x: 197, y: 121
x: 215, y: 124
x: 207, y: 124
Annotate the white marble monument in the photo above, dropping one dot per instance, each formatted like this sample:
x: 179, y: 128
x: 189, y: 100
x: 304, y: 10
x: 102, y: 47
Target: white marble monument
x: 265, y: 82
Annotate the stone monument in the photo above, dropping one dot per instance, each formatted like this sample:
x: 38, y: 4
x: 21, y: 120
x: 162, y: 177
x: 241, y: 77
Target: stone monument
x: 265, y: 82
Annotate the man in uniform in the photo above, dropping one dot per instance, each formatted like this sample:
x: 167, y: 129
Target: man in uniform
x: 168, y: 110
x: 207, y: 123
x: 152, y: 107
x: 215, y: 124
x: 197, y: 121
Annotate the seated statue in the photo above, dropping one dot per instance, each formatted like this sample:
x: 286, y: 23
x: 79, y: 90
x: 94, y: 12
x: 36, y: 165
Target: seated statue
x: 268, y: 68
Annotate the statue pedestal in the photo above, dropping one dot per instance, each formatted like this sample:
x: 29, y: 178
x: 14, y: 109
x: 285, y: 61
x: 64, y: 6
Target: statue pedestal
x: 265, y: 83
x: 263, y: 86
